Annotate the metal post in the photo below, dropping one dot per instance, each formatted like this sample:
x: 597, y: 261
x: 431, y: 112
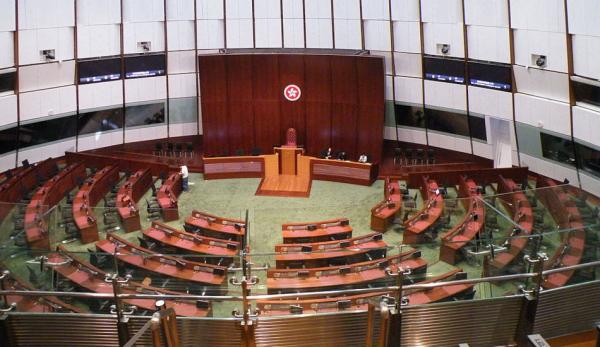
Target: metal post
x: 393, y: 314
x: 122, y: 326
x: 248, y: 326
x: 529, y: 308
x: 370, y: 325
x: 598, y: 335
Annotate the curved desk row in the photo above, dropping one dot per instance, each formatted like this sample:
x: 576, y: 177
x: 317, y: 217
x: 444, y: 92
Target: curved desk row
x: 515, y: 200
x: 34, y: 303
x: 50, y: 194
x: 470, y: 228
x: 88, y: 196
x: 128, y: 196
x: 167, y: 197
x: 161, y: 265
x: 384, y: 213
x: 292, y: 280
x: 361, y: 301
x: 15, y: 189
x: 90, y: 278
x: 328, y: 230
x: 181, y: 241
x: 417, y: 226
x: 568, y: 217
x: 217, y: 227
x: 338, y: 252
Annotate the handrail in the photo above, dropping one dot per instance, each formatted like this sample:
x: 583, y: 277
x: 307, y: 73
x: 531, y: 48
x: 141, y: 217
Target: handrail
x: 415, y: 286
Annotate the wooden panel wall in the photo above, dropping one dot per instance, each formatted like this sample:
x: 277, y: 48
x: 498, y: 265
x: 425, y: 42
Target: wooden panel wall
x: 243, y: 106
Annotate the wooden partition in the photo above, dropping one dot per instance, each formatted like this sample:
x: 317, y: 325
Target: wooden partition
x: 244, y: 107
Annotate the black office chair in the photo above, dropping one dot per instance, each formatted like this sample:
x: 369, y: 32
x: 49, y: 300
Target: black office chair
x: 25, y: 163
x: 398, y: 154
x: 256, y: 151
x: 158, y: 148
x: 410, y: 156
x: 178, y: 149
x: 342, y: 155
x: 169, y: 149
x: 430, y: 156
x: 239, y: 152
x: 189, y: 147
x: 420, y: 156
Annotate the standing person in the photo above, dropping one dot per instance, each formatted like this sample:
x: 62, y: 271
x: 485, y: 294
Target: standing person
x: 184, y: 175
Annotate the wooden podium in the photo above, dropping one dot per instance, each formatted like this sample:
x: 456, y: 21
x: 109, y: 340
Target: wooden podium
x: 288, y: 159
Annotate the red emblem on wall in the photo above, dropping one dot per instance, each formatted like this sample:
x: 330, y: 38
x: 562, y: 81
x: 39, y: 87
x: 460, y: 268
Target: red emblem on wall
x: 292, y: 92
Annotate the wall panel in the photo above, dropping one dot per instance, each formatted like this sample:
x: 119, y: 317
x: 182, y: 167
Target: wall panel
x: 318, y: 104
x: 291, y: 71
x: 266, y: 101
x: 344, y: 113
x: 240, y: 118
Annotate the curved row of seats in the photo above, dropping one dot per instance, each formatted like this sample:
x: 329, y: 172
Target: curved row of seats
x: 468, y: 230
x: 417, y: 228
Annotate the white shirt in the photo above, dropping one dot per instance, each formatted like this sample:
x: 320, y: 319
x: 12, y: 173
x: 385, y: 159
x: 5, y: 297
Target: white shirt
x: 184, y: 171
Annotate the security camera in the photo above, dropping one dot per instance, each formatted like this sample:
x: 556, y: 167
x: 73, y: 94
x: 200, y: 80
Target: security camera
x: 541, y: 61
x: 445, y: 49
x: 49, y: 54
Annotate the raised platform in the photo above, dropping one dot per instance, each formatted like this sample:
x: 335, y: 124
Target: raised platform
x: 274, y: 184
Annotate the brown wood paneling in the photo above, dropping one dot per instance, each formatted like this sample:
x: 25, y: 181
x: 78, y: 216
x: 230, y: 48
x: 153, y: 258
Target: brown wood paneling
x: 291, y: 71
x: 371, y: 106
x: 243, y: 105
x: 213, y: 89
x: 318, y: 103
x: 344, y: 105
x: 266, y: 102
x: 240, y: 115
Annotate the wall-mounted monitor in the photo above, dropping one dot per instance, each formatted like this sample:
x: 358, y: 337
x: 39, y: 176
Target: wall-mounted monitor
x: 99, y: 70
x: 8, y: 78
x: 145, y: 66
x: 444, y: 69
x: 493, y: 76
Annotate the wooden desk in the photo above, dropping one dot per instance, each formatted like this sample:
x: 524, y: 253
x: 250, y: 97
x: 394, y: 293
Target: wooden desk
x: 384, y: 213
x: 568, y: 217
x: 333, y: 229
x: 128, y: 196
x: 292, y: 280
x: 90, y: 278
x: 338, y: 252
x: 344, y: 171
x: 35, y: 304
x: 162, y: 265
x: 288, y: 159
x: 50, y: 194
x: 233, y: 167
x: 90, y: 193
x: 361, y: 301
x: 127, y: 164
x: 217, y: 227
x: 14, y: 189
x: 516, y: 201
x: 167, y: 197
x: 417, y: 226
x: 470, y: 228
x: 178, y: 241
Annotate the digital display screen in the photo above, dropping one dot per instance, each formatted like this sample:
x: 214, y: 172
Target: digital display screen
x: 493, y: 76
x: 444, y: 69
x: 102, y: 70
x: 145, y: 66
